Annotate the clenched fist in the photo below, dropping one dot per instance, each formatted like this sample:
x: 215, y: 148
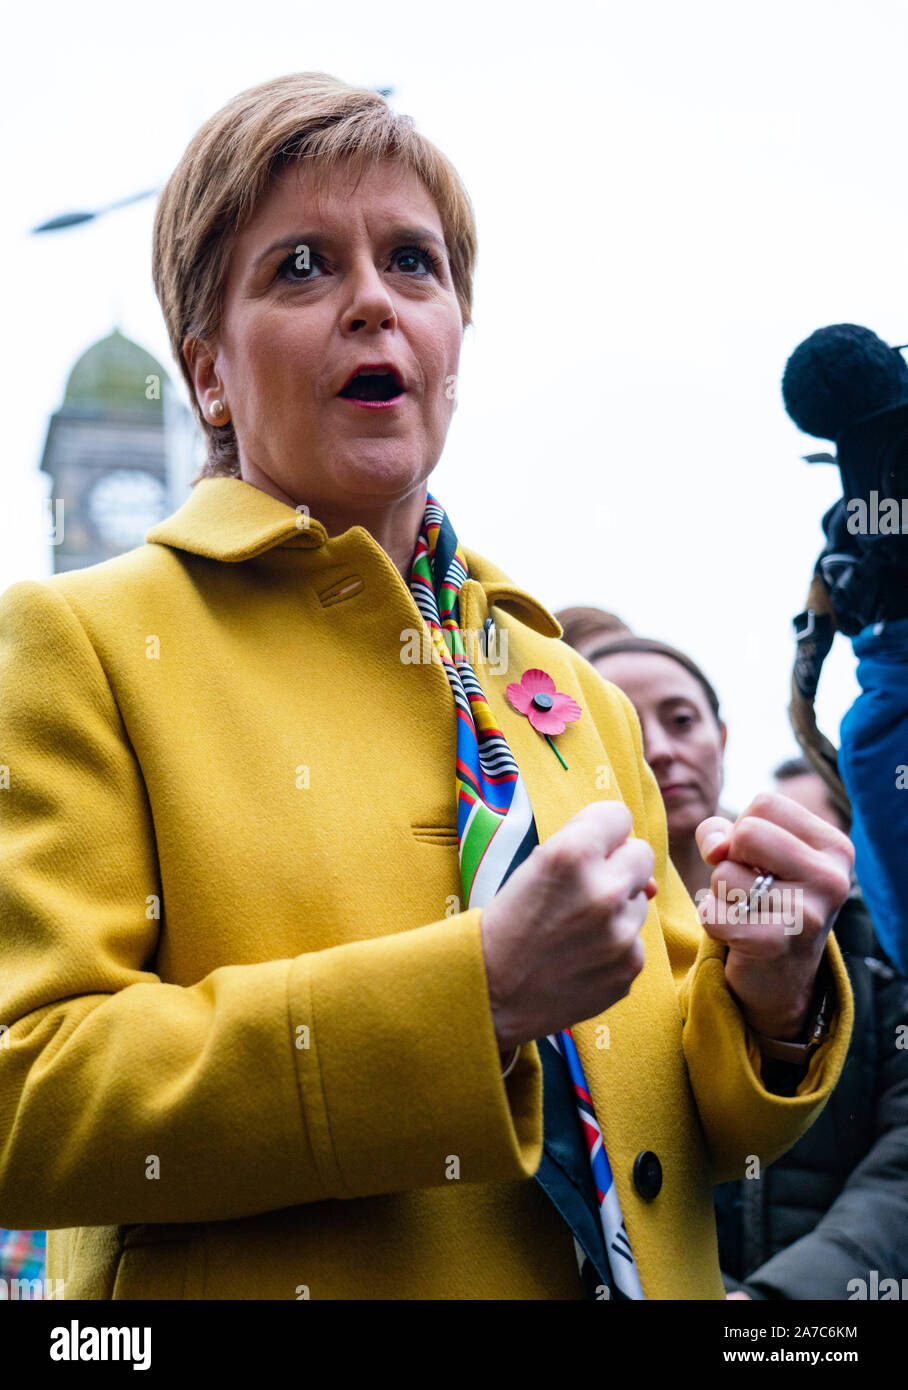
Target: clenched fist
x: 561, y: 939
x: 773, y: 958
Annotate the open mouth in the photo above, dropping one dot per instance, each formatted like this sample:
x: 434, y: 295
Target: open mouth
x: 373, y: 384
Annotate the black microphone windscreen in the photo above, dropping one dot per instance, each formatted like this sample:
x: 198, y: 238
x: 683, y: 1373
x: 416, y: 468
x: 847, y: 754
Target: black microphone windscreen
x: 840, y: 374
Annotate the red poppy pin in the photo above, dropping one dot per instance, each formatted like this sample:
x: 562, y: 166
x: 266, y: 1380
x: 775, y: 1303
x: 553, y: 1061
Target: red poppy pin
x: 547, y: 709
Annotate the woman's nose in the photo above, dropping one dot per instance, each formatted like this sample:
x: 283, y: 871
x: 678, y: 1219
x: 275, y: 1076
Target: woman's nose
x: 370, y: 306
x: 657, y: 746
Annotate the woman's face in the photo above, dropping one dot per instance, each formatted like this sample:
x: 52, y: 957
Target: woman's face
x: 316, y: 288
x: 683, y: 742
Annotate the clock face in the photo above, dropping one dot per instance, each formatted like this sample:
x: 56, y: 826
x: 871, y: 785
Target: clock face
x: 124, y: 504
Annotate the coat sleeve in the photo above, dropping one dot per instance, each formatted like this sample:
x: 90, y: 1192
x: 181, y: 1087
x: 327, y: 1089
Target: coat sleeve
x: 362, y: 1069
x: 866, y: 1228
x: 741, y: 1119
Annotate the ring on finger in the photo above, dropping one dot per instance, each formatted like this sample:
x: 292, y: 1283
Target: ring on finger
x: 761, y: 884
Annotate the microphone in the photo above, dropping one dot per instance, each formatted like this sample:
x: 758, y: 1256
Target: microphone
x: 846, y: 384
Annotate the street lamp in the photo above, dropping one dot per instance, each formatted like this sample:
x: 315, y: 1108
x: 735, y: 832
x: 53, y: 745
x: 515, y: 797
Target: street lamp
x: 72, y: 219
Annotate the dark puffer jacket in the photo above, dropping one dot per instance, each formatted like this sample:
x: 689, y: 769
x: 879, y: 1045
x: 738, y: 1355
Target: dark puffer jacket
x: 835, y: 1207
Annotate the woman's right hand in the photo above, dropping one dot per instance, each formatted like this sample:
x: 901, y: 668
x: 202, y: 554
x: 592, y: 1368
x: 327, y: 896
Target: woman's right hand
x: 561, y: 939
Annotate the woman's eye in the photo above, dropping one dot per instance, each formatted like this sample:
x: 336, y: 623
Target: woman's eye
x: 299, y: 266
x: 418, y: 256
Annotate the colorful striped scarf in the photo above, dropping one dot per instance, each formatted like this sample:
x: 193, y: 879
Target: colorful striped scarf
x: 496, y: 829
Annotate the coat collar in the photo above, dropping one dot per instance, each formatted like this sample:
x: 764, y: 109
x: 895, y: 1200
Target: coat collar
x: 229, y: 519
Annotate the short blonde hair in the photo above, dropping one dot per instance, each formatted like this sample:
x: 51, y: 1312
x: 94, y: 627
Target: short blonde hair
x: 226, y: 171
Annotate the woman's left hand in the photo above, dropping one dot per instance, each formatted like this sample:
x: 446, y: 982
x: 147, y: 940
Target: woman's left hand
x: 775, y: 949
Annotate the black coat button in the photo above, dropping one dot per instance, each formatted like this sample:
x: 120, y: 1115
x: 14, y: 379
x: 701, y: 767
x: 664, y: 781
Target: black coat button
x: 647, y: 1175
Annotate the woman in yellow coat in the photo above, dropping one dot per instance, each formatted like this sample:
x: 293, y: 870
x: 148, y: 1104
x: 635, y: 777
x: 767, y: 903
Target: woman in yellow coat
x: 275, y: 1026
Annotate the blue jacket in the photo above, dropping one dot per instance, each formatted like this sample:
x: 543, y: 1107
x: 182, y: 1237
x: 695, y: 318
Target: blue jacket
x: 873, y: 762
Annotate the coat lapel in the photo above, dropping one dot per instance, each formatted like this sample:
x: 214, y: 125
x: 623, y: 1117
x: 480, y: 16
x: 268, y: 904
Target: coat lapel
x: 614, y: 1046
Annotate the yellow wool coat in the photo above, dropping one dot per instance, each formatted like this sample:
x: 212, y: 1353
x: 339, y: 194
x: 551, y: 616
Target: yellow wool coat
x: 249, y: 1030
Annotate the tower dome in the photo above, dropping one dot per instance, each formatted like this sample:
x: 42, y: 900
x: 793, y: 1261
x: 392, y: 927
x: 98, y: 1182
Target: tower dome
x: 115, y: 374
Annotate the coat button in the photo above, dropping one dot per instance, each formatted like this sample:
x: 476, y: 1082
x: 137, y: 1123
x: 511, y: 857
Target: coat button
x: 647, y: 1175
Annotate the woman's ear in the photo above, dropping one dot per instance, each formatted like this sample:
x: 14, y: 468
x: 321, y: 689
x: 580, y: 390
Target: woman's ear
x: 208, y: 387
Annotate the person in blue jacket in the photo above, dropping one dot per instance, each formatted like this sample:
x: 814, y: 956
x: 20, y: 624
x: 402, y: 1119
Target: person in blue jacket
x: 845, y: 384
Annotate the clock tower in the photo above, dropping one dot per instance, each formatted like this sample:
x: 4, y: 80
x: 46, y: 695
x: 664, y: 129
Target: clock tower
x: 118, y: 453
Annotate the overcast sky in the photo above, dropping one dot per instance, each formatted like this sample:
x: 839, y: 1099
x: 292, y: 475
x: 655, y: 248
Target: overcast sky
x: 669, y: 197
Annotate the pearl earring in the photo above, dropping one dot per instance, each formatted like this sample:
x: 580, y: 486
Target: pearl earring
x: 217, y: 410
